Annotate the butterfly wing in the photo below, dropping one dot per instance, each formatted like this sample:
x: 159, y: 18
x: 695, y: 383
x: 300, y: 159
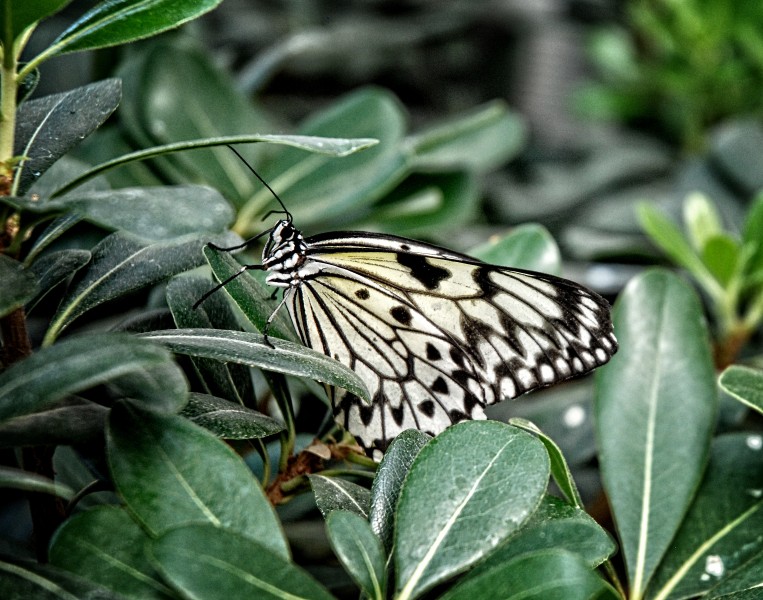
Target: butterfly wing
x: 437, y: 335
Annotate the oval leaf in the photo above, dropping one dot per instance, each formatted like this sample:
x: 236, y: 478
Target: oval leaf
x: 204, y: 562
x: 389, y: 478
x: 122, y: 21
x: 359, y: 551
x: 229, y: 420
x: 47, y: 128
x: 468, y: 490
x: 528, y: 247
x: 106, y: 546
x: 123, y: 264
x: 153, y: 213
x: 332, y: 493
x: 250, y: 349
x: 744, y: 384
x: 154, y: 461
x: 546, y: 575
x: 226, y: 380
x: 73, y: 365
x: 722, y: 529
x: 662, y: 381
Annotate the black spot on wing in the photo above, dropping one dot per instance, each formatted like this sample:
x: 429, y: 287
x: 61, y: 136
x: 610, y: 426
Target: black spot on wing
x: 432, y: 352
x: 440, y: 386
x: 422, y: 270
x: 362, y: 294
x: 401, y: 314
x: 427, y: 408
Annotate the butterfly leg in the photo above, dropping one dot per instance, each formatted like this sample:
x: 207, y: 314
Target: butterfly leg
x: 272, y: 316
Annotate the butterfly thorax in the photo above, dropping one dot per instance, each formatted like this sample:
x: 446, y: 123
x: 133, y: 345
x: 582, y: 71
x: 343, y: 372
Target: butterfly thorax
x: 284, y: 254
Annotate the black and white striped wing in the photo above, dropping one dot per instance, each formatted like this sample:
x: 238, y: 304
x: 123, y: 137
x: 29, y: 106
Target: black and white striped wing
x: 436, y: 335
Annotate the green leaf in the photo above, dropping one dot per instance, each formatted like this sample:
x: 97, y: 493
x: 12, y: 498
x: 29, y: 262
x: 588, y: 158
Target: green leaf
x: 671, y: 240
x: 424, y: 203
x: 389, y: 478
x: 555, y: 525
x: 122, y: 264
x: 16, y: 16
x: 546, y: 575
x: 153, y: 213
x: 701, y: 220
x: 122, y: 21
x: 481, y: 140
x: 722, y: 529
x: 226, y: 380
x: 721, y: 257
x: 172, y: 92
x: 744, y: 384
x: 473, y: 486
x: 51, y: 233
x: 250, y: 349
x: 23, y: 580
x: 359, y: 550
x: 204, y: 562
x: 156, y: 467
x: 18, y: 479
x: 229, y: 420
x: 660, y: 382
x: 332, y: 493
x: 73, y: 365
x: 106, y: 546
x: 65, y: 425
x: 251, y: 295
x: 744, y: 583
x: 48, y: 127
x: 753, y: 233
x: 19, y: 285
x: 528, y: 247
x: 560, y: 470
x: 323, y: 191
x: 52, y: 268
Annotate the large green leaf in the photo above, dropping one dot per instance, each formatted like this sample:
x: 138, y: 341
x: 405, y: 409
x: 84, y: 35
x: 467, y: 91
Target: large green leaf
x: 722, y: 529
x: 359, y: 550
x: 79, y: 363
x: 545, y: 575
x: 318, y: 189
x: 154, y: 213
x: 24, y: 580
x: 106, y: 546
x: 170, y: 472
x: 389, y: 478
x: 218, y: 378
x: 123, y: 264
x: 529, y: 247
x: 555, y: 525
x: 468, y: 490
x: 48, y: 127
x: 655, y: 409
x: 208, y: 563
x: 480, y: 140
x: 53, y: 267
x: 122, y: 21
x: 250, y: 349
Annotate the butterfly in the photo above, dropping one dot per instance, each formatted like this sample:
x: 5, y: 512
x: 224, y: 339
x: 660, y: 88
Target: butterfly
x: 435, y: 335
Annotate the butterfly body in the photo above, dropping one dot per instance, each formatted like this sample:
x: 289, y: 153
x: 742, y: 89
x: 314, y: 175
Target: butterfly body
x: 435, y: 335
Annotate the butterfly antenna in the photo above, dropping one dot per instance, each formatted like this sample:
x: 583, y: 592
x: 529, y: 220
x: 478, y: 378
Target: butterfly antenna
x: 265, y: 183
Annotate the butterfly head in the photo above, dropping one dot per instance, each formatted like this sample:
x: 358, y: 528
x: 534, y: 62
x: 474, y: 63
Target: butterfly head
x: 285, y: 249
